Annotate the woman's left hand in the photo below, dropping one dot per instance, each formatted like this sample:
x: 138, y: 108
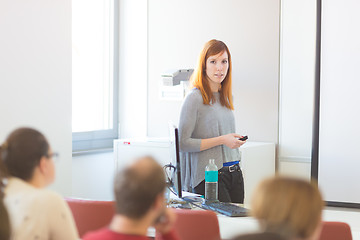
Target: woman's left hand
x: 232, y: 141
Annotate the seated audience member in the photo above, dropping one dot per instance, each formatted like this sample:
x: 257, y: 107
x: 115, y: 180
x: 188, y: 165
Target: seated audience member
x: 4, y: 217
x: 140, y: 203
x: 4, y: 222
x: 289, y: 207
x: 35, y: 213
x: 260, y: 236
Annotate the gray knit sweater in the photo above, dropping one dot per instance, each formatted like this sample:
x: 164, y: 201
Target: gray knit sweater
x: 199, y: 121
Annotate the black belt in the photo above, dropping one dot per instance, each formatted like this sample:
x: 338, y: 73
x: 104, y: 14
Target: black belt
x: 231, y: 168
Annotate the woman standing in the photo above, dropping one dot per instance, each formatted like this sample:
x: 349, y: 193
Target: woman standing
x: 35, y: 213
x: 207, y: 126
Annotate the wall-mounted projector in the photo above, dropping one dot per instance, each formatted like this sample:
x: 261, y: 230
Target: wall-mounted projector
x: 173, y: 77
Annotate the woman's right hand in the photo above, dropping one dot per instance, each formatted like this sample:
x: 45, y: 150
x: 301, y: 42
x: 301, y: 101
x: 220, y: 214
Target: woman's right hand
x: 232, y: 141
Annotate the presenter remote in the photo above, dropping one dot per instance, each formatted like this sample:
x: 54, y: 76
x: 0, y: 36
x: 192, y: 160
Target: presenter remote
x: 243, y: 138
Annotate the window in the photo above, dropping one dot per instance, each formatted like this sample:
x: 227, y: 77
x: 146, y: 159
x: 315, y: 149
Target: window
x: 94, y: 74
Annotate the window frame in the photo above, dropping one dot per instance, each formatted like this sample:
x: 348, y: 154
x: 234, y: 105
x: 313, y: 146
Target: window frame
x: 102, y: 139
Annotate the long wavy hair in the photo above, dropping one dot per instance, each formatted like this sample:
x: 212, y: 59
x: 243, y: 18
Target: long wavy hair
x: 200, y: 80
x: 5, y: 228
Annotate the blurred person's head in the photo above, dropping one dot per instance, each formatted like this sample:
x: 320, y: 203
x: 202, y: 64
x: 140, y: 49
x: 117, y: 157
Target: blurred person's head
x: 288, y: 206
x: 139, y: 190
x: 26, y: 154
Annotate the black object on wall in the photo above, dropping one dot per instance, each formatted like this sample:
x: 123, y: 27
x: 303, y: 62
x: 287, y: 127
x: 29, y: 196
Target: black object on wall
x: 316, y: 115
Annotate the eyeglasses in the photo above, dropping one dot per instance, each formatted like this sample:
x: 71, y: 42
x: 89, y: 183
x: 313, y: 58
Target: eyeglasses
x: 54, y: 156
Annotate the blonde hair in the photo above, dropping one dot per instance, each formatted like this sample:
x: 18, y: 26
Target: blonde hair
x: 291, y: 207
x: 200, y: 80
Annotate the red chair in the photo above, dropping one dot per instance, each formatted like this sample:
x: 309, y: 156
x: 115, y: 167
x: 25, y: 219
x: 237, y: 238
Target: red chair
x: 335, y: 231
x: 90, y: 215
x: 196, y: 225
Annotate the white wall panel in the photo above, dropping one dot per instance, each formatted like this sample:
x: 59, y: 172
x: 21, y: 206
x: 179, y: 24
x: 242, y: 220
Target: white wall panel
x: 339, y: 159
x: 35, y: 75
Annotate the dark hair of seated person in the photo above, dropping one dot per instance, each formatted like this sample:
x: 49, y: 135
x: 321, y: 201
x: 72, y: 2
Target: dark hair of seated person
x: 4, y: 216
x: 260, y: 236
x: 22, y: 151
x: 136, y: 190
x: 4, y: 222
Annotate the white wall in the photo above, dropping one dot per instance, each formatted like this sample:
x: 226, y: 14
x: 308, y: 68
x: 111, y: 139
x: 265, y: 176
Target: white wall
x: 339, y: 99
x: 297, y: 74
x: 179, y: 29
x: 35, y: 75
x: 133, y: 68
x: 92, y: 176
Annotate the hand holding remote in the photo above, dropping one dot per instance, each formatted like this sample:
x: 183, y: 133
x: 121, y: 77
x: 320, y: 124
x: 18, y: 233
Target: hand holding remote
x: 243, y: 138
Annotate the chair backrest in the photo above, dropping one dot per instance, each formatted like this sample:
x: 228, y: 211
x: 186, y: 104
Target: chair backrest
x: 196, y: 225
x: 335, y: 231
x: 90, y: 215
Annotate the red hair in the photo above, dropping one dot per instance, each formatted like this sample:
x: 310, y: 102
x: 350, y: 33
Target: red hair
x: 200, y: 80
